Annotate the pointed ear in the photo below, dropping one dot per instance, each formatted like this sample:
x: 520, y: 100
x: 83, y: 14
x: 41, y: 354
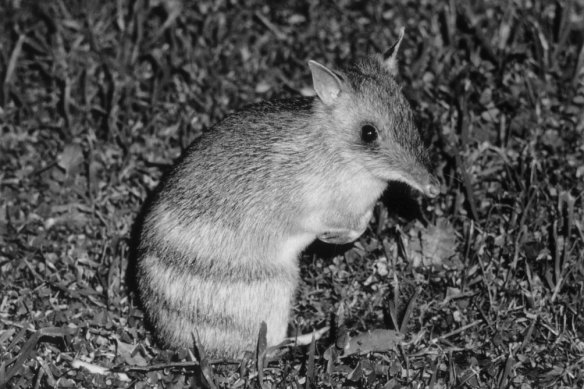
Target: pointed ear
x: 390, y: 56
x: 326, y: 83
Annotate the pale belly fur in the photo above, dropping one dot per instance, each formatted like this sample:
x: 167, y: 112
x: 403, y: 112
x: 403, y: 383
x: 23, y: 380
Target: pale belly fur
x: 224, y: 314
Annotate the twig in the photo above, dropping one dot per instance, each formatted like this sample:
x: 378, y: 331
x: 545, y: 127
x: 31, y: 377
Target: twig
x: 279, y: 34
x: 160, y: 366
x: 96, y: 369
x: 457, y: 331
x: 171, y: 365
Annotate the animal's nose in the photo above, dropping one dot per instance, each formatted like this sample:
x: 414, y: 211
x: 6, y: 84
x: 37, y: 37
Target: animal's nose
x: 432, y: 190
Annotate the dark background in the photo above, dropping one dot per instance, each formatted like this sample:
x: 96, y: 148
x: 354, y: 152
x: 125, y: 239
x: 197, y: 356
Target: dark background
x: 485, y: 283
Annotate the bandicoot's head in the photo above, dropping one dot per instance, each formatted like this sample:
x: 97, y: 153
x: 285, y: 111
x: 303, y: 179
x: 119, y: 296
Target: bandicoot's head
x: 369, y: 110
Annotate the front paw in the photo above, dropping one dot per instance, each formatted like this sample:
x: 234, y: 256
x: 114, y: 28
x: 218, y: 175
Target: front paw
x: 350, y: 233
x: 340, y: 237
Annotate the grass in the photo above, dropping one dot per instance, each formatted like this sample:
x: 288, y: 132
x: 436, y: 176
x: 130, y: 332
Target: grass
x: 482, y: 287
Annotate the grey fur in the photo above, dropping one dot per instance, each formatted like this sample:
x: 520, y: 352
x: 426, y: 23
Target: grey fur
x: 219, y: 242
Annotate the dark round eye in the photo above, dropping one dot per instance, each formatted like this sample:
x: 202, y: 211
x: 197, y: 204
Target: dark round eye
x: 369, y: 133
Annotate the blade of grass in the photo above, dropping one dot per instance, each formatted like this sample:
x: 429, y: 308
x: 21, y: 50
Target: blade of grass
x: 261, y: 352
x: 10, y: 69
x: 310, y: 368
x: 408, y: 313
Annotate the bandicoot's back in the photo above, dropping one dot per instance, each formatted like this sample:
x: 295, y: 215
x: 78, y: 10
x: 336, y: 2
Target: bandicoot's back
x: 221, y: 236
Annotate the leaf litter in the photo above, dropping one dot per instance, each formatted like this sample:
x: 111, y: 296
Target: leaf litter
x: 482, y: 287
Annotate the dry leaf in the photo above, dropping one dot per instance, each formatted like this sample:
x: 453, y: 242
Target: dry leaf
x: 130, y: 355
x: 70, y: 157
x: 373, y: 341
x: 435, y: 246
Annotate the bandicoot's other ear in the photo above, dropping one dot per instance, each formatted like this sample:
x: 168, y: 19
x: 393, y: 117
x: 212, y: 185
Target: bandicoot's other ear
x: 390, y: 56
x: 326, y: 83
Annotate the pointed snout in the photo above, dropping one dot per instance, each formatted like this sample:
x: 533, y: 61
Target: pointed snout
x: 433, y: 188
